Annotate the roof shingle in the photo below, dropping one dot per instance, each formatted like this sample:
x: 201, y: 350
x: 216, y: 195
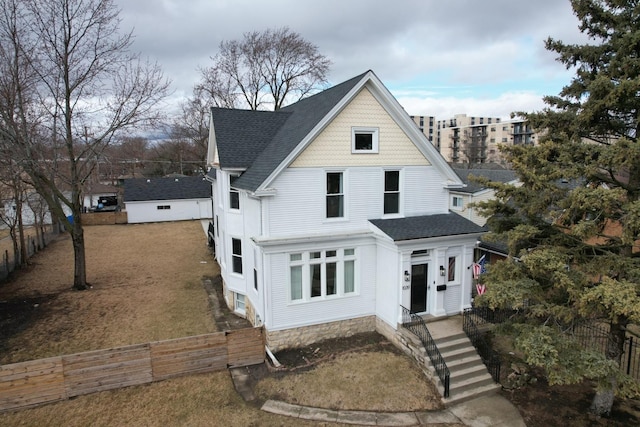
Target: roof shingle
x: 426, y: 226
x: 188, y: 187
x: 259, y: 141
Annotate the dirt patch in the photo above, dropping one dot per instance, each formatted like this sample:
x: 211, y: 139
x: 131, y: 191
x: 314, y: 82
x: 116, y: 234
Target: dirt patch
x: 225, y: 319
x: 346, y: 374
x: 18, y: 314
x: 542, y: 405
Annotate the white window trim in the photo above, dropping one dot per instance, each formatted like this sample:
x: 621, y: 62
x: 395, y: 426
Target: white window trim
x: 233, y: 255
x: 306, y: 263
x: 453, y: 206
x: 345, y: 196
x: 400, y: 212
x: 458, y: 268
x: 231, y: 208
x: 241, y: 310
x: 369, y: 130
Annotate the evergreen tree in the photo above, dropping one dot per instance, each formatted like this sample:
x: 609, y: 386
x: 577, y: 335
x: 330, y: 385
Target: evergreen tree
x: 573, y: 227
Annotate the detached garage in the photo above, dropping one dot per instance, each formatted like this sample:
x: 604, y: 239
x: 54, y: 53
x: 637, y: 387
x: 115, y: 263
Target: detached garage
x: 167, y: 199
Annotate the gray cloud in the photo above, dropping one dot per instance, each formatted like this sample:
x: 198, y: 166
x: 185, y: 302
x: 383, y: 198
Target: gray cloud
x: 409, y: 42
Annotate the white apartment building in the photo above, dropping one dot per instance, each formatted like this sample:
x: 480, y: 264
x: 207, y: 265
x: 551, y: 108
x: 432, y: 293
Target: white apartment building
x: 464, y: 139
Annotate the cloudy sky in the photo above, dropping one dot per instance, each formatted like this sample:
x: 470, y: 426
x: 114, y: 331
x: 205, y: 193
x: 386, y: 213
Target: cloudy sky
x: 438, y: 58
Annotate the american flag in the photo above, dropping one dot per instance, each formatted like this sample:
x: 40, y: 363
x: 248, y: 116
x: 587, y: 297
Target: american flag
x: 479, y: 267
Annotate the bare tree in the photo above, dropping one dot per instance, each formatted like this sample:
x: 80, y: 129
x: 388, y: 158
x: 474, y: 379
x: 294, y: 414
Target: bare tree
x: 274, y: 67
x: 86, y: 85
x: 12, y: 196
x: 192, y: 127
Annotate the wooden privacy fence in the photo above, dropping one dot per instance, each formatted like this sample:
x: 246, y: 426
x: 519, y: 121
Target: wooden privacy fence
x: 57, y: 378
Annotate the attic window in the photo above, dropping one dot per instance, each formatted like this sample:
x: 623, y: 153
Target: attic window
x: 364, y: 140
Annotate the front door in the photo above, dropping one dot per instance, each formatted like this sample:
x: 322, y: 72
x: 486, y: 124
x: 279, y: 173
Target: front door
x: 419, y: 288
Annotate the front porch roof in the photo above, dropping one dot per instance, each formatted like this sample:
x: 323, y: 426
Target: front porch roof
x: 427, y: 226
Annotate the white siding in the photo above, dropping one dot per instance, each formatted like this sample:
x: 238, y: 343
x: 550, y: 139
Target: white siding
x: 424, y: 192
x: 301, y: 196
x: 452, y: 299
x: 243, y: 224
x: 138, y: 212
x: 285, y: 314
x: 389, y: 278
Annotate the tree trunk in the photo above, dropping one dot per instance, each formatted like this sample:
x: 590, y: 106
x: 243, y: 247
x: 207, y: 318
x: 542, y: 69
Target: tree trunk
x: 23, y: 246
x: 80, y: 271
x: 603, y: 400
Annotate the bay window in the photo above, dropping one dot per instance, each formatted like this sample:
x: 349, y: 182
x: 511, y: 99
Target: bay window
x: 322, y: 274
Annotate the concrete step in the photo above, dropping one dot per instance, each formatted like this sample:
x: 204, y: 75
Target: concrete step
x: 458, y: 353
x: 469, y: 377
x: 463, y: 396
x: 463, y: 362
x: 454, y: 344
x: 467, y: 373
x: 448, y: 338
x: 472, y: 383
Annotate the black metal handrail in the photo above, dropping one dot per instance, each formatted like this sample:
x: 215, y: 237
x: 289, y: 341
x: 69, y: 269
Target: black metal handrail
x: 489, y: 357
x: 418, y: 327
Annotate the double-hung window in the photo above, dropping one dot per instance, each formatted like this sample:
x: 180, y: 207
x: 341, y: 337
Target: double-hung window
x: 236, y: 255
x: 457, y: 202
x: 391, y: 192
x: 234, y: 199
x: 335, y: 195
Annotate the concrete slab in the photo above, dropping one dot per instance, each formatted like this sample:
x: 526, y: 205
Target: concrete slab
x: 242, y: 383
x: 397, y: 419
x: 488, y: 411
x: 281, y: 408
x: 361, y: 418
x: 318, y: 414
x: 438, y: 417
x: 445, y: 327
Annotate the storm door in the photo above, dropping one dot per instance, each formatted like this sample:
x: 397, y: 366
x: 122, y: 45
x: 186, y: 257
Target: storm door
x: 419, y: 288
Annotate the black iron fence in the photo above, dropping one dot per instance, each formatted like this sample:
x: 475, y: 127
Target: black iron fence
x: 417, y: 326
x: 596, y: 337
x: 489, y: 357
x: 588, y: 335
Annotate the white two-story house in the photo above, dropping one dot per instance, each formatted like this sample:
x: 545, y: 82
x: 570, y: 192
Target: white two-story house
x: 331, y: 215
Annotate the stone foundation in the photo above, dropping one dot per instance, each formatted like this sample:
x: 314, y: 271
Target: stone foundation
x: 306, y: 335
x: 409, y: 345
x: 229, y: 299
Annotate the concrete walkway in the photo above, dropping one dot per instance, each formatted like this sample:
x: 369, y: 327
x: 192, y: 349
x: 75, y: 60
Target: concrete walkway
x: 487, y: 411
x: 491, y: 410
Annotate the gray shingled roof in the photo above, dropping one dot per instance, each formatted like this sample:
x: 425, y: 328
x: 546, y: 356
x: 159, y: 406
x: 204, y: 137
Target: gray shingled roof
x: 498, y: 175
x: 188, y: 187
x: 241, y: 135
x: 422, y: 227
x: 260, y: 140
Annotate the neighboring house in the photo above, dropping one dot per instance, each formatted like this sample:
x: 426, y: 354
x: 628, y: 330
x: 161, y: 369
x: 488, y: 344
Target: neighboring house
x: 331, y: 214
x: 34, y: 210
x: 167, y: 199
x: 461, y: 198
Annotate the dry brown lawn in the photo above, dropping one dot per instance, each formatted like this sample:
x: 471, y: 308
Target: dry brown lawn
x: 384, y: 380
x: 198, y: 400
x: 147, y: 285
